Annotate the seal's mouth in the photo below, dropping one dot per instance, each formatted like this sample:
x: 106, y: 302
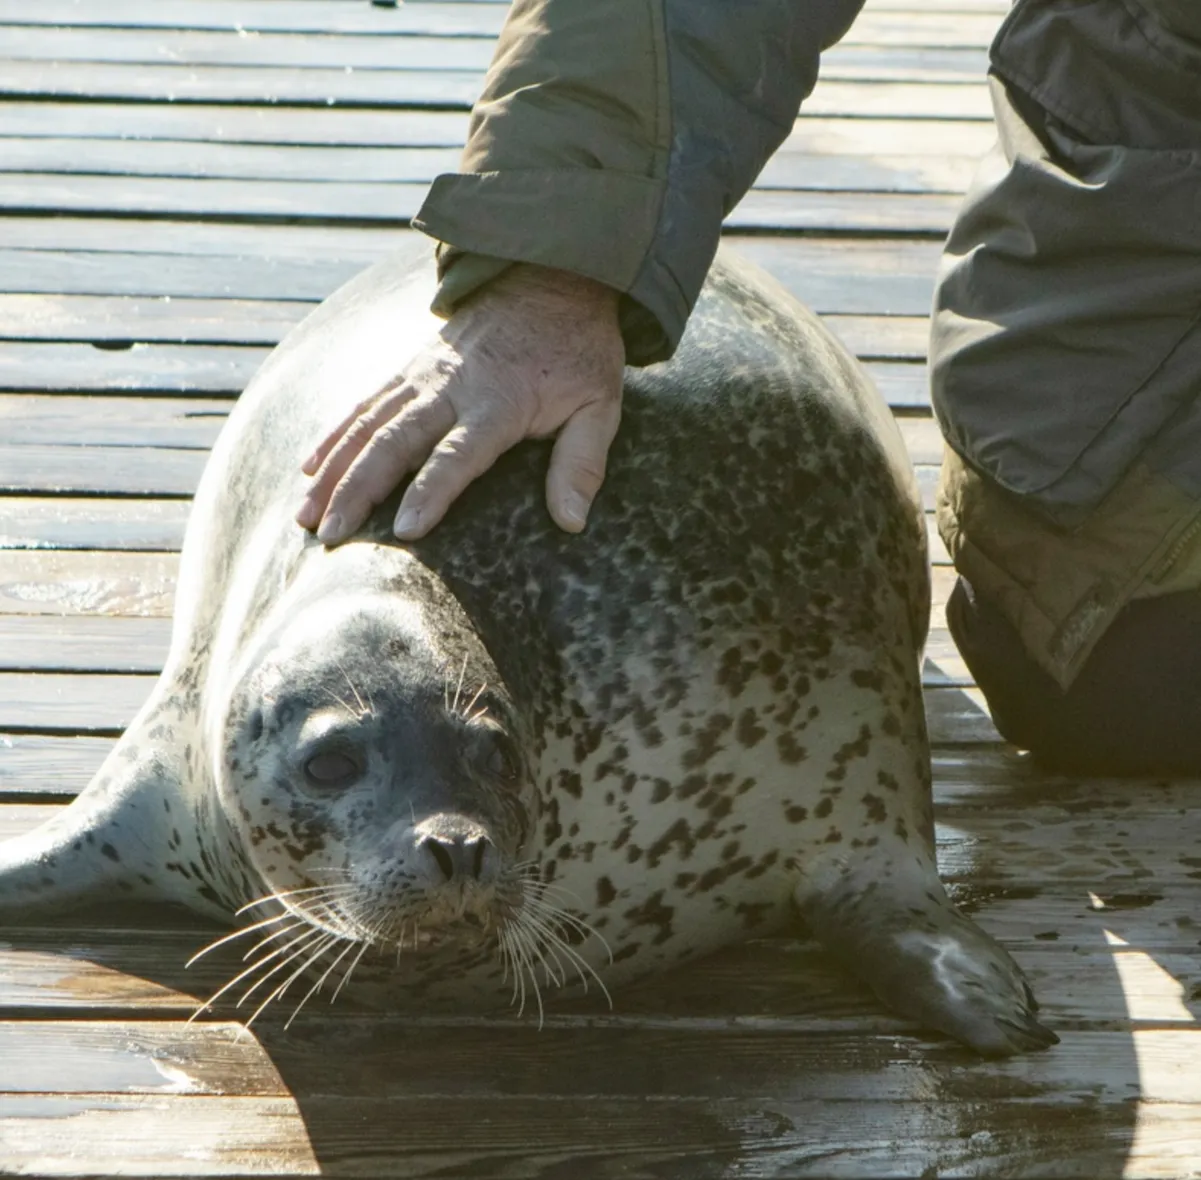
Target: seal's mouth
x: 321, y: 933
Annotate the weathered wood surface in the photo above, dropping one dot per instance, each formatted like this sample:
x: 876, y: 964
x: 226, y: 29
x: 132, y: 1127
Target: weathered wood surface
x: 180, y: 182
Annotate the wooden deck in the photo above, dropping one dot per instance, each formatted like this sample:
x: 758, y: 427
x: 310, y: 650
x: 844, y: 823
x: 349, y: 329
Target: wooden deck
x: 180, y: 180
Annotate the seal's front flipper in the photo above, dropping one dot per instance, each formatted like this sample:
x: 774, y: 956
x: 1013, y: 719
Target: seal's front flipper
x: 894, y: 926
x: 113, y: 842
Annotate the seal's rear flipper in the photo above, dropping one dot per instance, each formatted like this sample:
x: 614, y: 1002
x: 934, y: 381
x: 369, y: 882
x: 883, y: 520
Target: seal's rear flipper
x: 113, y: 842
x: 894, y: 926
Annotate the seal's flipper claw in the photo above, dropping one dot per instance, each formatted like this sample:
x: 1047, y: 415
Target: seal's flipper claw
x: 925, y: 959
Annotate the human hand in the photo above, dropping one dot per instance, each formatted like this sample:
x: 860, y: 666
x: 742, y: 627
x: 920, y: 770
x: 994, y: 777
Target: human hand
x: 536, y: 352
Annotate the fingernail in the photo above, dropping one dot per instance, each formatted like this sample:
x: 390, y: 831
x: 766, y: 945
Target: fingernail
x: 407, y: 522
x: 574, y: 510
x: 329, y: 531
x: 307, y: 516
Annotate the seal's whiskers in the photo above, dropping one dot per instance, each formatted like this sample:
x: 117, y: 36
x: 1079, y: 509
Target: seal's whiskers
x: 323, y: 944
x: 544, y: 919
x: 228, y: 938
x: 302, y: 943
x: 349, y: 971
x: 318, y: 985
x: 282, y: 895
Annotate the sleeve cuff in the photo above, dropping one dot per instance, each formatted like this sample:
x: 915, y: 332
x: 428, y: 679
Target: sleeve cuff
x: 596, y: 223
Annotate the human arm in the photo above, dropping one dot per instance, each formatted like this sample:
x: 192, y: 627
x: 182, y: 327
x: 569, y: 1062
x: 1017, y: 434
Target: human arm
x: 610, y: 142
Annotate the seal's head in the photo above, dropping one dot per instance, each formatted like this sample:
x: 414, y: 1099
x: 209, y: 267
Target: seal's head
x: 373, y: 765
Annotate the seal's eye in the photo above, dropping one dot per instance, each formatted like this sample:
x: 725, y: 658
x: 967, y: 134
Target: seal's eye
x: 332, y: 768
x: 502, y: 760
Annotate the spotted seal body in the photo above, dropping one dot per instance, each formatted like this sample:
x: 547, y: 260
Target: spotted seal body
x: 515, y: 756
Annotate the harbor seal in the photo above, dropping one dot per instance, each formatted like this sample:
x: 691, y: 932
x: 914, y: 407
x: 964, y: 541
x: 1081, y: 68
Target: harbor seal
x: 509, y: 757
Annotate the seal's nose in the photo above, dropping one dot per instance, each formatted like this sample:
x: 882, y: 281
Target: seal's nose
x: 456, y: 849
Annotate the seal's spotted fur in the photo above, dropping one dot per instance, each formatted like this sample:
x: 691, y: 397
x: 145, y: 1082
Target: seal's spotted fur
x: 512, y: 753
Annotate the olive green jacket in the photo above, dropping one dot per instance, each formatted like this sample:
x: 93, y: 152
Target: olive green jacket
x: 613, y: 136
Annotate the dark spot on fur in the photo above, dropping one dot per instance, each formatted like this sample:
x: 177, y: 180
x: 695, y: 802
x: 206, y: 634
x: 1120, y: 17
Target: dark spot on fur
x: 876, y: 811
x: 790, y: 750
x: 749, y: 732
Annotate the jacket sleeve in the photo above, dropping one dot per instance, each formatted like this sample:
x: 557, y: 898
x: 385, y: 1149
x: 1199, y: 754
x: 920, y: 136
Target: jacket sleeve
x: 612, y: 138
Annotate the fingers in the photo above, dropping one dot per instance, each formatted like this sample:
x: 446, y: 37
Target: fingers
x: 342, y: 446
x: 327, y: 444
x: 462, y: 456
x: 577, y: 462
x: 377, y: 462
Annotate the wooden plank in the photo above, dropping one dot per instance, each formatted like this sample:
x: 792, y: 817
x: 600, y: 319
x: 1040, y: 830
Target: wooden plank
x: 62, y: 522
x: 925, y: 213
x: 127, y: 471
x: 827, y: 274
x: 428, y: 19
x: 443, y: 1135
x: 437, y: 88
x: 873, y: 337
x: 83, y: 643
x: 142, y: 46
x: 814, y: 134
x: 237, y: 161
x: 127, y: 367
x: 189, y: 423
x: 839, y: 276
x: 70, y: 702
x: 90, y: 318
x: 374, y: 165
x: 64, y: 272
x: 62, y: 583
x: 168, y: 1057
x: 34, y: 766
x: 264, y: 16
x: 335, y: 51
x: 236, y: 124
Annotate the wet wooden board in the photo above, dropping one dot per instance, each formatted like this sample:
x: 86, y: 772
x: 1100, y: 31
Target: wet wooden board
x: 65, y: 522
x: 120, y: 319
x: 416, y: 88
x: 764, y: 1060
x: 428, y: 18
x: 926, y: 213
x: 826, y: 274
x: 165, y: 1135
x: 214, y: 123
x: 390, y: 165
x: 438, y: 54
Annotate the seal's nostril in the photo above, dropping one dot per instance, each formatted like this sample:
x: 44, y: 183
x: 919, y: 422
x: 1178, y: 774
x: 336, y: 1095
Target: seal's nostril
x: 460, y: 858
x: 442, y: 856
